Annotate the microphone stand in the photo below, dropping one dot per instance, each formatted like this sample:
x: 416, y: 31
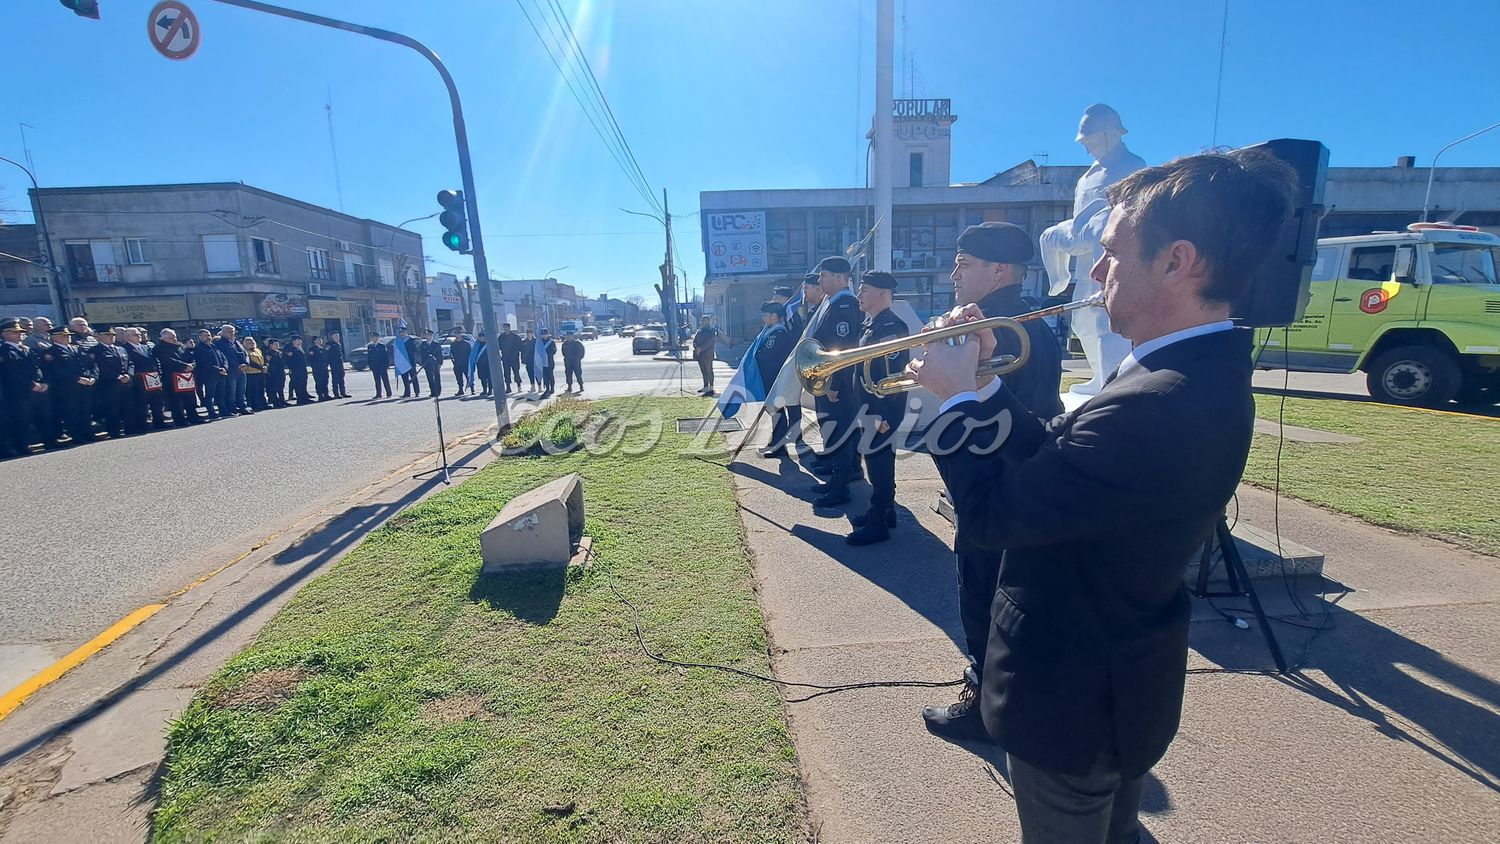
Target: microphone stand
x: 448, y: 472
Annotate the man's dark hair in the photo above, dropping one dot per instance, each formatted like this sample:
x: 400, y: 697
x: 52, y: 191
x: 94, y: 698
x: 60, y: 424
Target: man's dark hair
x: 1232, y: 206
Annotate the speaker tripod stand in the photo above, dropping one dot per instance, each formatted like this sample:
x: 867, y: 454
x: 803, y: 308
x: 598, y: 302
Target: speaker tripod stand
x: 447, y: 471
x: 1239, y: 585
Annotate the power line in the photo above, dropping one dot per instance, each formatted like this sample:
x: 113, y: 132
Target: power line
x: 1219, y: 90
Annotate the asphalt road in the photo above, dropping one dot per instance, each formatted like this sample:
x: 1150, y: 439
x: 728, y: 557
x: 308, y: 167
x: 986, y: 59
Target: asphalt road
x: 90, y: 534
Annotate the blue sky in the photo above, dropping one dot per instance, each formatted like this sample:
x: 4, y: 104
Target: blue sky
x: 710, y: 96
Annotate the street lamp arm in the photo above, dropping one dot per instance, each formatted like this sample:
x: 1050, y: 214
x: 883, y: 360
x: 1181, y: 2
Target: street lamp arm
x: 59, y: 289
x: 644, y: 214
x: 1432, y: 170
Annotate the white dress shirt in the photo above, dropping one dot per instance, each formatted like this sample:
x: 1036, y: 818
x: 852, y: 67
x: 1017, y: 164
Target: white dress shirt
x: 1131, y: 360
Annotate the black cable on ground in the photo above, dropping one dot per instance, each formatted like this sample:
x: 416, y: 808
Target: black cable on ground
x: 752, y: 675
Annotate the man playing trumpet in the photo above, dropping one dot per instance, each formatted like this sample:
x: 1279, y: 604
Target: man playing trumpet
x: 1099, y: 510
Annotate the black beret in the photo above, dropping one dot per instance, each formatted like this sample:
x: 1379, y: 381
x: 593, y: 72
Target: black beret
x: 782, y: 290
x: 10, y: 324
x: 773, y: 308
x: 1002, y: 243
x: 880, y: 279
x: 811, y: 278
x: 835, y: 264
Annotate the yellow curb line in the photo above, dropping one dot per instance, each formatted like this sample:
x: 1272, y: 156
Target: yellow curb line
x: 54, y: 672
x: 17, y: 696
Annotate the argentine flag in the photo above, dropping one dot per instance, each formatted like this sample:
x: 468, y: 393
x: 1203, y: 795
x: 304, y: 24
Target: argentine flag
x: 474, y: 356
x: 792, y: 305
x: 399, y: 355
x: 746, y: 384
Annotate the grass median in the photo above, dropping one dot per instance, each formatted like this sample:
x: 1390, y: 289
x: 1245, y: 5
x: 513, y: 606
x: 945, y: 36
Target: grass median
x: 400, y: 696
x: 1417, y: 471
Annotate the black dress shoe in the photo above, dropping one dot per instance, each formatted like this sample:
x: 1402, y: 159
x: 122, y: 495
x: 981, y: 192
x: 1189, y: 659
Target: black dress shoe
x: 958, y: 720
x: 834, y: 497
x: 772, y: 451
x: 864, y: 518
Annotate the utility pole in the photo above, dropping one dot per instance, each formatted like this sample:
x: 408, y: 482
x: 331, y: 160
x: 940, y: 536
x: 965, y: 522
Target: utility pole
x: 885, y: 38
x: 669, y: 281
x: 465, y: 167
x: 57, y: 291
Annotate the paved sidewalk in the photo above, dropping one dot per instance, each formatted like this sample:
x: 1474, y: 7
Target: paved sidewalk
x: 1391, y: 734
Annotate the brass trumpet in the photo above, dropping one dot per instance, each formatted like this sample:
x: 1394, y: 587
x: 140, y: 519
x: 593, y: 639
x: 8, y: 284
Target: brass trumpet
x: 816, y: 365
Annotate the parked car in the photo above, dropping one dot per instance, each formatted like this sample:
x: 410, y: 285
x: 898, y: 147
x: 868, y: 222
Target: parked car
x: 628, y: 331
x: 359, y: 356
x: 647, y: 341
x: 588, y: 333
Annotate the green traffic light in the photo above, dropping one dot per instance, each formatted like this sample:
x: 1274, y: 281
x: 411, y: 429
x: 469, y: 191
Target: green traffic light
x: 453, y: 240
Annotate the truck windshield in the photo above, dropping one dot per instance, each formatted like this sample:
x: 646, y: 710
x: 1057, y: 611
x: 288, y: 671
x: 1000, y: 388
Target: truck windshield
x: 1458, y: 263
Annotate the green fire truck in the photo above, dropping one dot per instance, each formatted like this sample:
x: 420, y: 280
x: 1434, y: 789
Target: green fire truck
x: 1417, y: 311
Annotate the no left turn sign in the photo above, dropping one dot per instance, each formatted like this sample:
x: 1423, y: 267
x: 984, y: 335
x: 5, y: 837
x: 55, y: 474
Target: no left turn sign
x: 174, y: 31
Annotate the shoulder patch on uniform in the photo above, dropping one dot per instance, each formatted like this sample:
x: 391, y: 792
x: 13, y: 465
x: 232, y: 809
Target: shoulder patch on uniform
x: 770, y: 341
x: 842, y: 329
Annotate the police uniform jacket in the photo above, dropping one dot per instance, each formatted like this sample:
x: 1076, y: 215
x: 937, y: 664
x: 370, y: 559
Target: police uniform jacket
x: 836, y: 325
x: 1038, y: 383
x: 432, y: 354
x: 572, y: 351
x: 317, y: 358
x: 510, y: 345
x: 275, y: 365
x: 335, y: 354
x: 19, y: 369
x: 884, y: 326
x: 773, y: 353
x: 296, y: 361
x: 461, y: 351
x: 64, y: 365
x: 796, y: 322
x: 378, y: 356
x: 112, y: 361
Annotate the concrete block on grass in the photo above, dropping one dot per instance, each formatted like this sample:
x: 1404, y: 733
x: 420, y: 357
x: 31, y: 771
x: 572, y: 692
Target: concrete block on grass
x: 536, y: 529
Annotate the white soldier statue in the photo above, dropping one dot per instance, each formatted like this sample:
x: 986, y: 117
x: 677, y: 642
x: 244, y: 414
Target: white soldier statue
x: 1077, y: 240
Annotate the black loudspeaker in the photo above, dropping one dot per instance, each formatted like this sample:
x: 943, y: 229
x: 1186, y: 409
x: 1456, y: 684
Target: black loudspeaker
x: 1278, y: 294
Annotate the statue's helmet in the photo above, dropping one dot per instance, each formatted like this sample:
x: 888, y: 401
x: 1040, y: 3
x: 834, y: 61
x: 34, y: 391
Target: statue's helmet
x: 1099, y: 118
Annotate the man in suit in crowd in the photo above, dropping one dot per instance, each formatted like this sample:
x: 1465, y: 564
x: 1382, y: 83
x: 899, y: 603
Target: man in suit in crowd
x: 1099, y: 510
x: 71, y: 374
x: 296, y: 369
x: 988, y: 271
x: 141, y: 397
x: 432, y: 363
x: 546, y: 362
x: 572, y: 355
x: 510, y: 357
x: 114, y: 376
x: 379, y: 359
x: 336, y: 366
x: 460, y: 349
x: 174, y: 360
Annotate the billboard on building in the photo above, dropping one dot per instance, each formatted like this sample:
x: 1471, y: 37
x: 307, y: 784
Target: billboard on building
x: 736, y: 242
x: 137, y: 309
x: 282, y: 305
x: 228, y: 306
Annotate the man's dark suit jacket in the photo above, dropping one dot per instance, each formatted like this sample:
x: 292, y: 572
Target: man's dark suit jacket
x: 1099, y: 511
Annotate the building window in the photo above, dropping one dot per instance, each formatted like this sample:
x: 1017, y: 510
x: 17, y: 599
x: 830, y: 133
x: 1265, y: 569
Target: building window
x: 264, y: 253
x: 384, y: 327
x: 38, y: 281
x: 135, y: 250
x: 916, y: 170
x: 317, y: 262
x: 11, y: 282
x: 221, y: 253
x: 444, y: 316
x: 350, y: 278
x: 387, y: 273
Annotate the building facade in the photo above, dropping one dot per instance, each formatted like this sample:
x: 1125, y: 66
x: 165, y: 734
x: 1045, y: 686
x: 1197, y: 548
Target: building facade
x: 200, y: 255
x: 26, y: 288
x: 755, y: 240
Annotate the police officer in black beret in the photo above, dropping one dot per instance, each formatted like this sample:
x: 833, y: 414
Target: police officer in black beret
x: 836, y: 325
x: 880, y: 416
x: 71, y: 374
x: 115, y: 373
x: 988, y: 271
x: 22, y: 389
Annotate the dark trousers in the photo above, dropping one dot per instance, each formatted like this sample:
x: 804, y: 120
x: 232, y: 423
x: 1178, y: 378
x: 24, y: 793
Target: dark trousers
x: 549, y: 380
x: 880, y: 467
x: 211, y: 391
x: 482, y: 372
x: 183, y: 406
x: 336, y: 374
x: 978, y: 571
x: 109, y: 407
x: 512, y: 367
x: 706, y: 370
x: 787, y: 426
x: 434, y: 380
x: 72, y: 408
x: 530, y: 376
x: 409, y: 383
x: 15, y: 424
x: 461, y: 376
x: 840, y: 441
x: 382, y: 380
x: 320, y: 383
x: 1100, y: 807
x: 255, y: 390
x: 299, y: 387
x: 276, y: 389
x: 573, y: 368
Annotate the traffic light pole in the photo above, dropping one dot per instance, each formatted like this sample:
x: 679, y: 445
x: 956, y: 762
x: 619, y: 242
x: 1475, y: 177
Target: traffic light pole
x: 465, y: 167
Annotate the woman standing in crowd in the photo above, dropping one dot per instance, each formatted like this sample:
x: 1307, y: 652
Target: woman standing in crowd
x: 255, y: 374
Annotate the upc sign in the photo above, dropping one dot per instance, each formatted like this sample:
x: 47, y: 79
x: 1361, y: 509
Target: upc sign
x: 736, y: 242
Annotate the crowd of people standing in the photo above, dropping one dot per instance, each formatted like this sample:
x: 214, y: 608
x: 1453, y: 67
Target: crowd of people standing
x: 66, y: 385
